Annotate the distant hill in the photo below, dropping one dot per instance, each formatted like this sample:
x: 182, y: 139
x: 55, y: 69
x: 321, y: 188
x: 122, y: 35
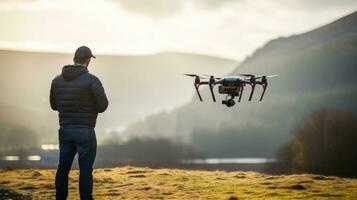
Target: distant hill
x: 316, y: 69
x: 136, y: 86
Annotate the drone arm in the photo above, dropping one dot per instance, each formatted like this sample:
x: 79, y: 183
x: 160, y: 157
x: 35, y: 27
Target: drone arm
x: 198, y: 92
x: 247, y: 82
x: 211, y: 89
x: 264, y: 89
x: 251, y: 93
x: 241, y: 93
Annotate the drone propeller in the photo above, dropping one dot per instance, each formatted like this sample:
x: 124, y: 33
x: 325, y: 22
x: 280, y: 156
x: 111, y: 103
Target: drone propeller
x: 210, y: 76
x: 266, y: 76
x: 271, y: 76
x: 249, y: 75
x: 192, y: 75
x: 196, y: 75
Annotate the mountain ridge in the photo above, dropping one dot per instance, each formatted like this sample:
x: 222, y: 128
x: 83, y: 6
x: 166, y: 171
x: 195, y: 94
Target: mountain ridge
x: 119, y: 55
x: 334, y: 29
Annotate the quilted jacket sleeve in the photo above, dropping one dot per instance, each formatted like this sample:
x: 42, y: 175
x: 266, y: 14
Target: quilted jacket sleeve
x: 100, y: 98
x: 52, y: 98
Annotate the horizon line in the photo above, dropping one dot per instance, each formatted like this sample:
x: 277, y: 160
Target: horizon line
x: 112, y: 53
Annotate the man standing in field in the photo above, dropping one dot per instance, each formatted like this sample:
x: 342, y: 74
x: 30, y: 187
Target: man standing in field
x: 78, y: 96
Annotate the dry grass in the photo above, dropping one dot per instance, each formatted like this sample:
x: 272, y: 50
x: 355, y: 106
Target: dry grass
x: 146, y: 183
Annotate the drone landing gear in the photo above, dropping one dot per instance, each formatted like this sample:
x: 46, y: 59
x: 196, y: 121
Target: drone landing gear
x: 229, y: 102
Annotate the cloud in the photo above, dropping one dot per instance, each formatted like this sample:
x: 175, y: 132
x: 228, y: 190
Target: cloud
x: 159, y: 8
x: 226, y: 28
x: 153, y: 8
x: 16, y: 1
x: 166, y: 8
x: 318, y: 4
x: 214, y: 4
x: 13, y: 4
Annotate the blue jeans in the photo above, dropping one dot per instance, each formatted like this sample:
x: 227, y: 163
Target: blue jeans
x: 72, y: 140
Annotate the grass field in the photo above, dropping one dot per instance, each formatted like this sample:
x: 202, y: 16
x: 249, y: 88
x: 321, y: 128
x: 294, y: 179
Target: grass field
x: 146, y: 183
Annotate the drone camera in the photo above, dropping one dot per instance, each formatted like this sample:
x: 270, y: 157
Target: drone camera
x: 229, y: 102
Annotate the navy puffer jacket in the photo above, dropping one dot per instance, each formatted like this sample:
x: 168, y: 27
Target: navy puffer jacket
x: 78, y: 96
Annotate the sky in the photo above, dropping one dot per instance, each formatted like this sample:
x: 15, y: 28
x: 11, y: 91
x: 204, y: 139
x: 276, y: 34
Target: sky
x: 224, y: 28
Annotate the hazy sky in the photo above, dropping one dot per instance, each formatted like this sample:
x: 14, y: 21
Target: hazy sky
x: 227, y: 28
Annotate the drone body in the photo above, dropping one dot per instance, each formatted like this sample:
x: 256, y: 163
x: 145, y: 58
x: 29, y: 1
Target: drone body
x: 232, y: 86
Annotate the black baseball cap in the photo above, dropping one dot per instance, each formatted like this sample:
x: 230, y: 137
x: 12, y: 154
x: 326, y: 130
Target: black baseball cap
x: 83, y: 52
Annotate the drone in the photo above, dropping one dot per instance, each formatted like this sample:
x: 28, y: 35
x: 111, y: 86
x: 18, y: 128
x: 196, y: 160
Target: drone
x: 232, y: 86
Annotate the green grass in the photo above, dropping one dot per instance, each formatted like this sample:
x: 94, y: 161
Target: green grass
x: 146, y: 183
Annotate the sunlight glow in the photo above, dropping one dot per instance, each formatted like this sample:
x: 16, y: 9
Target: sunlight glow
x: 11, y: 158
x: 34, y: 158
x: 50, y: 147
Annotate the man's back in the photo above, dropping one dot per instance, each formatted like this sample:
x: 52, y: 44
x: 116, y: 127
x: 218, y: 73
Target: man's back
x: 78, y: 96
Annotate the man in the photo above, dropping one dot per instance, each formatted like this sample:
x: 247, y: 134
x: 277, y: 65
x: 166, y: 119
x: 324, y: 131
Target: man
x: 78, y: 96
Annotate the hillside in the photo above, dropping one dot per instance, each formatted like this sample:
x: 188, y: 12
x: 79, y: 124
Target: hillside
x: 146, y: 183
x: 136, y: 86
x: 316, y: 69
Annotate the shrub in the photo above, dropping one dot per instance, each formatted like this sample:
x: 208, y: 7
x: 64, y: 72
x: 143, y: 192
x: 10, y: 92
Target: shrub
x: 325, y: 142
